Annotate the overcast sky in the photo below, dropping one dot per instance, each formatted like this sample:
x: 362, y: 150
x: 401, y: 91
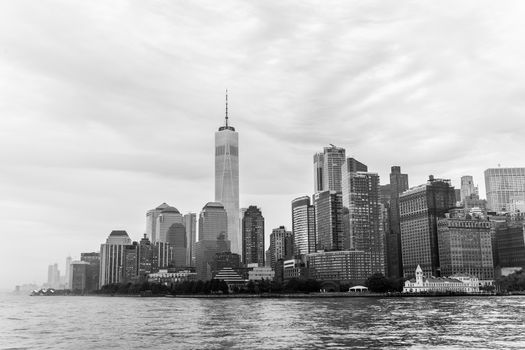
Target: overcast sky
x: 109, y: 108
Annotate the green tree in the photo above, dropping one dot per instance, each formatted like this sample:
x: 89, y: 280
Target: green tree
x: 378, y: 283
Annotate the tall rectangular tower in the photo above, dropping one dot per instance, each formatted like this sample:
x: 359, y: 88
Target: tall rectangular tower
x: 505, y: 189
x: 398, y: 184
x: 253, y: 236
x: 361, y: 197
x: 303, y: 225
x: 190, y: 222
x: 329, y: 220
x: 227, y: 179
x: 420, y: 208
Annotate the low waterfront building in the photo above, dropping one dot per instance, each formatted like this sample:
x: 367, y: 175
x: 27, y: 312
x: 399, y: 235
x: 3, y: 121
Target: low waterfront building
x: 231, y: 277
x: 261, y: 273
x: 294, y: 269
x: 456, y: 283
x: 166, y: 277
x: 343, y: 265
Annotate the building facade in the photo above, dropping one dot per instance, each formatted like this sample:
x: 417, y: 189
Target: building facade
x: 167, y: 217
x: 330, y: 161
x: 227, y: 179
x: 303, y: 225
x: 151, y: 222
x: 361, y: 197
x: 345, y: 265
x: 420, y: 208
x: 190, y: 223
x: 281, y: 245
x: 112, y: 257
x: 329, y: 220
x: 505, y: 189
x: 176, y: 237
x: 465, y: 247
x: 398, y: 184
x: 457, y: 284
x: 213, y: 228
x: 253, y: 236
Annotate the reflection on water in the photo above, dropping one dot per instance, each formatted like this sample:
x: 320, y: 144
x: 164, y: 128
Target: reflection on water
x: 165, y: 323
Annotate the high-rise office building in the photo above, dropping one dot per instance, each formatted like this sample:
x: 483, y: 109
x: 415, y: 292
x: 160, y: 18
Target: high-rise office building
x: 227, y: 179
x: 465, y: 247
x: 176, y: 237
x: 253, y: 236
x: 167, y: 217
x: 398, y: 184
x: 303, y: 225
x: 213, y: 228
x: 467, y: 187
x: 92, y: 270
x: 509, y: 242
x: 361, y: 197
x: 329, y: 220
x: 420, y: 208
x: 505, y: 189
x: 190, y: 223
x: 68, y: 272
x: 318, y: 172
x: 151, y: 222
x: 112, y: 257
x: 281, y: 245
x: 53, y: 276
x: 330, y: 161
x: 130, y: 263
x: 79, y: 277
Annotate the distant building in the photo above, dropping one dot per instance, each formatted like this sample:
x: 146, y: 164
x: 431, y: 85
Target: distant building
x: 165, y: 277
x: 420, y: 207
x: 151, y: 222
x: 231, y: 277
x: 465, y: 247
x: 303, y: 225
x: 112, y: 257
x: 505, y: 189
x: 213, y: 228
x: 398, y: 184
x: 294, y: 269
x: 227, y: 180
x: 329, y: 220
x: 253, y: 236
x: 467, y: 187
x: 79, y: 277
x: 330, y: 161
x: 261, y: 273
x: 361, y: 197
x: 92, y: 270
x: 53, y: 276
x: 456, y: 283
x: 226, y: 259
x: 130, y: 264
x: 167, y: 217
x: 68, y: 273
x: 509, y: 242
x: 176, y: 237
x: 190, y: 223
x: 281, y: 245
x: 162, y: 256
x: 346, y: 265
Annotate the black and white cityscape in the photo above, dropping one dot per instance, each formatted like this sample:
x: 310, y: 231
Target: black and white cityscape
x: 262, y: 175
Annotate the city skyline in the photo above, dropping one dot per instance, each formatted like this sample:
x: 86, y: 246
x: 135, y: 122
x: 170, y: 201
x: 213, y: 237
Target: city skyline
x: 109, y: 121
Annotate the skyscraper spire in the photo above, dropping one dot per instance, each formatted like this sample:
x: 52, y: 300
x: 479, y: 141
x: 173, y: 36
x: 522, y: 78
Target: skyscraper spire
x: 226, y: 107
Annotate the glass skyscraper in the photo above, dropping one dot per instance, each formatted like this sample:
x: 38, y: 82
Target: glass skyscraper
x: 505, y: 189
x: 227, y: 179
